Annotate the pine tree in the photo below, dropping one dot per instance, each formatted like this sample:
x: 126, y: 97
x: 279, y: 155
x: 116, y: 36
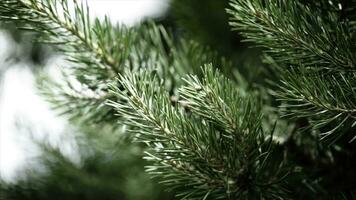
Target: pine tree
x: 210, y: 133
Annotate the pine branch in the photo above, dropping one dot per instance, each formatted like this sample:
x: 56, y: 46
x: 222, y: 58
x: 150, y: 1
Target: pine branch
x: 154, y: 49
x: 326, y: 99
x: 67, y: 25
x: 209, y: 100
x: 294, y: 33
x: 186, y: 148
x: 312, y: 46
x: 75, y: 100
x: 97, y: 51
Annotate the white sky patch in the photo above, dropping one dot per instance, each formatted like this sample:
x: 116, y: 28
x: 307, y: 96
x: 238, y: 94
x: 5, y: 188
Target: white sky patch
x: 19, y: 100
x: 20, y: 105
x: 128, y: 11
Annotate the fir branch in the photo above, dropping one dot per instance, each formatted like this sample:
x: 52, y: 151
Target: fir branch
x: 185, y: 148
x: 312, y: 47
x: 217, y: 100
x: 327, y: 99
x: 67, y: 25
x: 75, y: 100
x: 294, y: 33
x: 97, y: 51
x: 154, y: 48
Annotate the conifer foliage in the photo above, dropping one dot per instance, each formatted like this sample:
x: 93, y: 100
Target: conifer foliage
x: 314, y: 44
x: 208, y: 136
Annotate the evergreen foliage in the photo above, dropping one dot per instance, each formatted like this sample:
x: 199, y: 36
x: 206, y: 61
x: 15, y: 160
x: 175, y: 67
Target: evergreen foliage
x: 218, y: 148
x: 314, y: 47
x: 208, y: 135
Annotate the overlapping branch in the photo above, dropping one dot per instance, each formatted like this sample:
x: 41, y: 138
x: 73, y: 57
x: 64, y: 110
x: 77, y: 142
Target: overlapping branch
x: 97, y: 51
x: 217, y: 154
x: 295, y: 33
x: 313, y: 44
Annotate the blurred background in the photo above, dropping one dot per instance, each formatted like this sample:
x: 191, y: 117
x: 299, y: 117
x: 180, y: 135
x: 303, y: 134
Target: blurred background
x: 42, y: 156
x: 20, y: 104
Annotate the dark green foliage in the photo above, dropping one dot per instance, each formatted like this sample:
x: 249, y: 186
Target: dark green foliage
x: 98, y: 51
x: 322, y: 106
x: 211, y: 134
x: 187, y: 148
x: 311, y: 46
x: 315, y: 52
x: 206, y: 22
x: 295, y: 34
